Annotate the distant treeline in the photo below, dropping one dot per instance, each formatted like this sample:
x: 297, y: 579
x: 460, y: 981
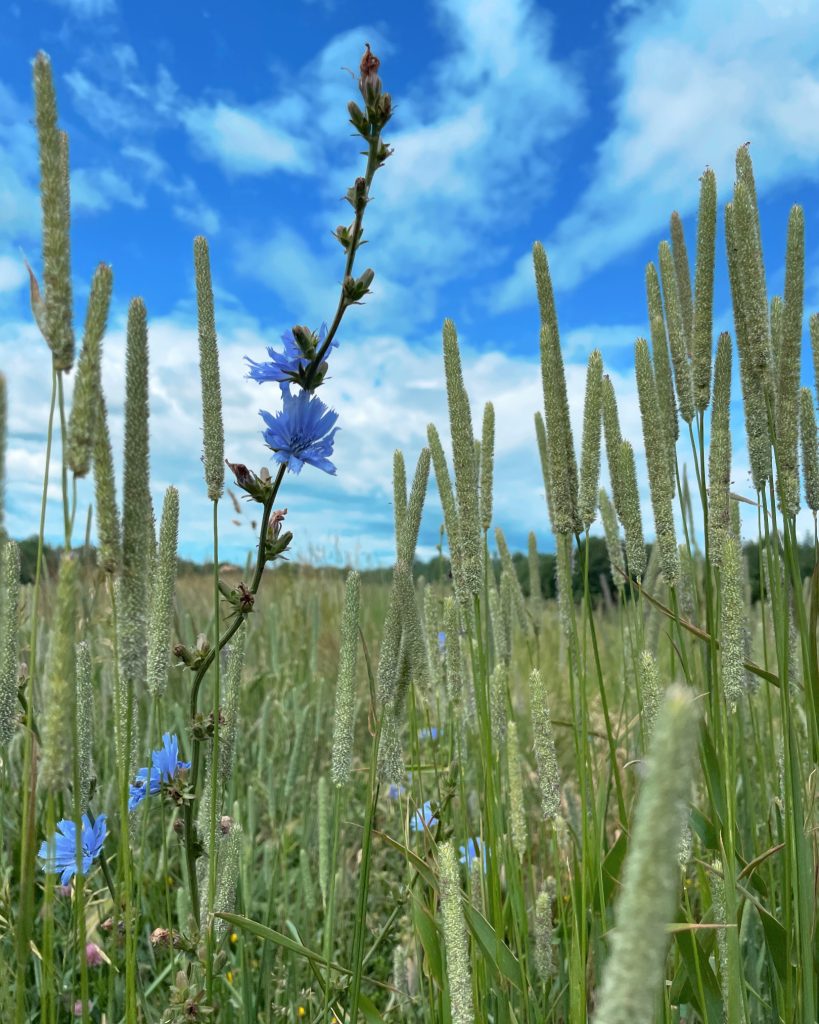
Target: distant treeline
x: 437, y: 569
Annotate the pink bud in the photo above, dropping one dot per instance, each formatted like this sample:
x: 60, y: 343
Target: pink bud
x: 93, y: 955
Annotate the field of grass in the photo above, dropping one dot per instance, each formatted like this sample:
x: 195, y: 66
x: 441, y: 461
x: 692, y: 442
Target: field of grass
x: 290, y: 795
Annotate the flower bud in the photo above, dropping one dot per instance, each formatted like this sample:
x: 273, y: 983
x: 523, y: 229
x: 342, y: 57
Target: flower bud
x: 344, y: 235
x: 258, y: 487
x: 358, y: 119
x: 356, y: 288
x: 356, y: 195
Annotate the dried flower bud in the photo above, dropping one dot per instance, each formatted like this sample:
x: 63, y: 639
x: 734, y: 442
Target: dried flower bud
x: 356, y: 195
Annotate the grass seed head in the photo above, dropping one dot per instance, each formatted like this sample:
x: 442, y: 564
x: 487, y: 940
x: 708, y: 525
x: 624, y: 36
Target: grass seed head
x: 676, y: 334
x: 704, y: 289
x: 213, y: 429
x: 810, y: 450
x: 55, y: 317
x: 634, y: 972
x: 590, y: 449
x: 9, y: 641
x: 453, y: 926
x: 487, y: 464
x: 82, y: 422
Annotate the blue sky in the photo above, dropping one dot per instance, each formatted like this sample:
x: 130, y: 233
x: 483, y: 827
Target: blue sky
x: 582, y: 126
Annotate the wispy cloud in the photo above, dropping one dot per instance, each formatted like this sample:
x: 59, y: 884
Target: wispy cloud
x: 695, y: 82
x: 247, y: 142
x: 87, y: 8
x: 99, y: 188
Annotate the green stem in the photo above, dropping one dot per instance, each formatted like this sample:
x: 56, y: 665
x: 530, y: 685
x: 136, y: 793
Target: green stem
x: 364, y: 880
x: 214, y: 759
x: 190, y: 849
x: 29, y: 803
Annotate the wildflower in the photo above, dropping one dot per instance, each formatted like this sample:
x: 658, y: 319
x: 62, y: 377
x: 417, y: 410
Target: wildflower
x: 423, y: 819
x: 60, y: 852
x: 165, y: 764
x: 473, y: 850
x: 302, y: 432
x: 300, y: 348
x: 395, y: 791
x: 428, y: 734
x: 94, y: 956
x: 441, y: 641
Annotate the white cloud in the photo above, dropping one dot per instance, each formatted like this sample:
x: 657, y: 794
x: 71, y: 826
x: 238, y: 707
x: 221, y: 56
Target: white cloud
x: 245, y: 141
x: 107, y: 112
x: 12, y: 273
x: 98, y: 188
x: 385, y: 390
x: 19, y: 199
x: 474, y: 144
x: 695, y: 83
x: 88, y: 8
x: 188, y: 205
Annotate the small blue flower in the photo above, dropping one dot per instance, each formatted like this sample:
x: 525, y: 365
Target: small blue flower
x: 428, y: 734
x: 302, y: 432
x: 441, y: 641
x: 474, y: 848
x: 394, y: 792
x: 423, y: 819
x: 165, y: 764
x: 60, y: 854
x: 286, y: 367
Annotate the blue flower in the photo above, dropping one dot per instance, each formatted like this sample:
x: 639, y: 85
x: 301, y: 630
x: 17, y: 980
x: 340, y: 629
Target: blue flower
x: 474, y: 848
x: 60, y: 854
x: 423, y: 819
x: 165, y: 764
x: 394, y: 792
x: 288, y: 366
x: 441, y: 641
x: 428, y: 734
x: 302, y: 432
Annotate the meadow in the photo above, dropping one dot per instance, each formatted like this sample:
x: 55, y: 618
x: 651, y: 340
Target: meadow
x: 280, y: 793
